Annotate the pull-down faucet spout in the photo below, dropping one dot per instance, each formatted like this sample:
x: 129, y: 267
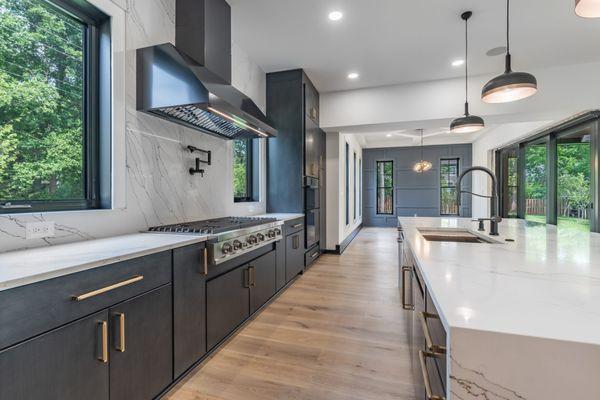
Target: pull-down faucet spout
x: 494, y: 199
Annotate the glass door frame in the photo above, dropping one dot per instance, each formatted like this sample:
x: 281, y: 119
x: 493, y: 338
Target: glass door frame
x: 590, y: 122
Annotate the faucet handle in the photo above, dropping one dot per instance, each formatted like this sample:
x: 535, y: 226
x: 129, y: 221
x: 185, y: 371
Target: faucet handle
x: 481, y: 226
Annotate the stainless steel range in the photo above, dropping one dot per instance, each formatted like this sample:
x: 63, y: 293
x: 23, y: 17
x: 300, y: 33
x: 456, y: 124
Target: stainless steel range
x: 230, y: 237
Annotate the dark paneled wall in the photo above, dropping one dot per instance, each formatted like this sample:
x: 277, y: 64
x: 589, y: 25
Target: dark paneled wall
x: 414, y: 194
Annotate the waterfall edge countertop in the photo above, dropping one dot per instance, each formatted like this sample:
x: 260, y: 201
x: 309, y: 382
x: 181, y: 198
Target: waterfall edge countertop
x: 522, y: 317
x: 23, y: 267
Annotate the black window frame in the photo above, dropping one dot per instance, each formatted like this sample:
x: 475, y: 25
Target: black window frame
x: 588, y: 121
x: 377, y: 187
x: 347, y: 183
x: 442, y: 187
x: 96, y: 116
x: 252, y: 172
x: 355, y: 187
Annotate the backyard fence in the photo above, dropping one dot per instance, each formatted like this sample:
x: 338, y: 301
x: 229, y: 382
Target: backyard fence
x: 565, y: 209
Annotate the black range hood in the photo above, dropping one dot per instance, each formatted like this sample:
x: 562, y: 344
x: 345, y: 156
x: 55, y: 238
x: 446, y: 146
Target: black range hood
x: 189, y: 83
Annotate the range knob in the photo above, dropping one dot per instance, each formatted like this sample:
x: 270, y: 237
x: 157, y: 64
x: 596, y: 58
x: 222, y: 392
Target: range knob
x: 226, y: 248
x: 252, y: 239
x: 237, y: 245
x: 271, y: 233
x: 277, y: 231
x: 260, y: 237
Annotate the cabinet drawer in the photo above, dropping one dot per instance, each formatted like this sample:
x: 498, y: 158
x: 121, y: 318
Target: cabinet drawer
x: 438, y: 336
x: 33, y: 309
x: 311, y: 255
x: 294, y: 225
x: 294, y: 255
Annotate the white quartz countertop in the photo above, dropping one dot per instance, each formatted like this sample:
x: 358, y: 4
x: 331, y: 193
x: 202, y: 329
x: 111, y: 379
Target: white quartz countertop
x: 281, y: 216
x: 545, y: 284
x: 18, y: 268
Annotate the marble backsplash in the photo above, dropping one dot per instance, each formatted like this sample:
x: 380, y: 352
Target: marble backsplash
x: 159, y: 189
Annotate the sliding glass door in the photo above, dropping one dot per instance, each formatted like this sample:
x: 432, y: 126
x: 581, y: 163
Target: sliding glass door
x: 573, y: 180
x: 553, y: 177
x: 536, y: 177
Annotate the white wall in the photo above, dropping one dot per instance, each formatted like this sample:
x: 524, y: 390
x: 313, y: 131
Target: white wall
x: 337, y: 229
x: 563, y: 91
x: 151, y: 162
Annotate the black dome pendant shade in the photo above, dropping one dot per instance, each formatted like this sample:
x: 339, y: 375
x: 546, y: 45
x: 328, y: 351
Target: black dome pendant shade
x: 467, y: 123
x: 510, y: 86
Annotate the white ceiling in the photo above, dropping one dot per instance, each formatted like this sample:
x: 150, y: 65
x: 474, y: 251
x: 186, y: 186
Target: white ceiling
x: 399, y: 41
x: 412, y: 137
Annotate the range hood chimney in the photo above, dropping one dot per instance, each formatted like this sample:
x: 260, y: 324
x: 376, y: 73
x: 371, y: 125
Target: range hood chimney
x: 189, y: 83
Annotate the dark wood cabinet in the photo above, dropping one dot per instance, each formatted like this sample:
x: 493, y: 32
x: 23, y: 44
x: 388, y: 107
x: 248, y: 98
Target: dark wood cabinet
x: 189, y: 306
x: 311, y: 101
x: 416, y: 338
x: 280, y: 280
x: 312, y: 150
x: 263, y: 285
x: 227, y: 304
x: 64, y: 363
x: 294, y: 254
x: 141, y: 346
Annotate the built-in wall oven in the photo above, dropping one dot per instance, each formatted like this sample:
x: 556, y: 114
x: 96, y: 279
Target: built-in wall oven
x: 311, y: 211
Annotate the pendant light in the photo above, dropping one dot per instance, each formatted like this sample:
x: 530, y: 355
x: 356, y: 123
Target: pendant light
x: 468, y: 123
x: 587, y: 8
x: 510, y: 86
x: 422, y: 165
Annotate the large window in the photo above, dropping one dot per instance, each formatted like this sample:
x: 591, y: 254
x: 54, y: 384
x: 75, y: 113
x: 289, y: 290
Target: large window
x: 355, y: 192
x: 385, y: 187
x: 245, y: 170
x: 49, y: 105
x: 448, y: 178
x: 550, y: 176
x: 347, y: 184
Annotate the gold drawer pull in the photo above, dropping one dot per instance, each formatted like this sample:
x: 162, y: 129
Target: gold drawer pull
x: 120, y: 321
x: 103, y: 341
x: 205, y: 262
x: 434, y: 348
x: 96, y: 292
x: 422, y: 356
x: 296, y: 226
x: 405, y: 305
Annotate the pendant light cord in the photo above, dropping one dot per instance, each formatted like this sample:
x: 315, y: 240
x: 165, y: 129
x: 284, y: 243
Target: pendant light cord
x: 507, y: 26
x: 421, y: 144
x: 466, y: 66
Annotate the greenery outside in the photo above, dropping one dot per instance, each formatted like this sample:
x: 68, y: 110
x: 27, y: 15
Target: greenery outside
x: 241, y: 149
x: 41, y: 102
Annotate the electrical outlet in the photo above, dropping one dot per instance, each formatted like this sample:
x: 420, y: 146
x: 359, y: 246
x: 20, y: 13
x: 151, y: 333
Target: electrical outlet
x: 38, y: 230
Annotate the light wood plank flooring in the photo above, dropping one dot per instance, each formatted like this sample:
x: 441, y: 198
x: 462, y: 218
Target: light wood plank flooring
x: 336, y: 333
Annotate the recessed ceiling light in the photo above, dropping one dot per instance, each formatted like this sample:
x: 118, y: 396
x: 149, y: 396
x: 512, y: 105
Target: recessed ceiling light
x: 389, y: 135
x: 457, y: 63
x: 335, y: 15
x: 353, y: 75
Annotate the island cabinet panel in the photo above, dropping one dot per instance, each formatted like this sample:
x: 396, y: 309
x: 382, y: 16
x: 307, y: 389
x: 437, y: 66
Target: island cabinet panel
x: 263, y: 285
x: 141, y: 346
x: 64, y: 363
x: 438, y: 337
x: 294, y: 254
x: 189, y: 306
x: 280, y: 280
x: 30, y: 310
x: 227, y: 304
x: 416, y: 338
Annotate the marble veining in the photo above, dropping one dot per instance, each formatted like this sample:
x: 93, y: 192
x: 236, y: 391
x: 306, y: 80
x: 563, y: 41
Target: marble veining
x: 158, y: 187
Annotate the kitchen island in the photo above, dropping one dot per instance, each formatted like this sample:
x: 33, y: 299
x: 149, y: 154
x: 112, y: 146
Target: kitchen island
x: 521, y: 317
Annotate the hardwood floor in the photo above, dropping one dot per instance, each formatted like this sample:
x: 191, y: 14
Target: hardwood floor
x: 336, y: 333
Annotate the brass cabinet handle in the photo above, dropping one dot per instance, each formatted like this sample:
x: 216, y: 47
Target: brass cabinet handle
x: 434, y: 348
x: 105, y: 289
x: 405, y: 305
x: 295, y: 242
x: 205, y: 261
x: 120, y: 329
x: 297, y: 226
x: 313, y: 255
x: 103, y: 341
x: 422, y: 356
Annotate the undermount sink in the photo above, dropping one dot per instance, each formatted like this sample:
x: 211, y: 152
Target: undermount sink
x: 453, y: 235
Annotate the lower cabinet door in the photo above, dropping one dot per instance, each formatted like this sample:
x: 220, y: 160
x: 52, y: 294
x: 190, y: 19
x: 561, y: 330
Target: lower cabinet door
x: 263, y: 286
x: 294, y: 255
x: 417, y: 337
x: 189, y: 307
x: 280, y: 264
x: 227, y: 304
x: 66, y: 363
x: 141, y: 351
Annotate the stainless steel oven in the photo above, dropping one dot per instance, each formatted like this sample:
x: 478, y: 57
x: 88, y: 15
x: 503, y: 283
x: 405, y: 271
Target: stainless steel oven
x: 311, y: 193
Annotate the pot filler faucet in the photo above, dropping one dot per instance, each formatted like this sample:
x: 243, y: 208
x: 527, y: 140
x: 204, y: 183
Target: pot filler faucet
x: 494, y: 200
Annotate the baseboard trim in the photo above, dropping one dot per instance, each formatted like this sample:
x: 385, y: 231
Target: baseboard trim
x: 339, y: 249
